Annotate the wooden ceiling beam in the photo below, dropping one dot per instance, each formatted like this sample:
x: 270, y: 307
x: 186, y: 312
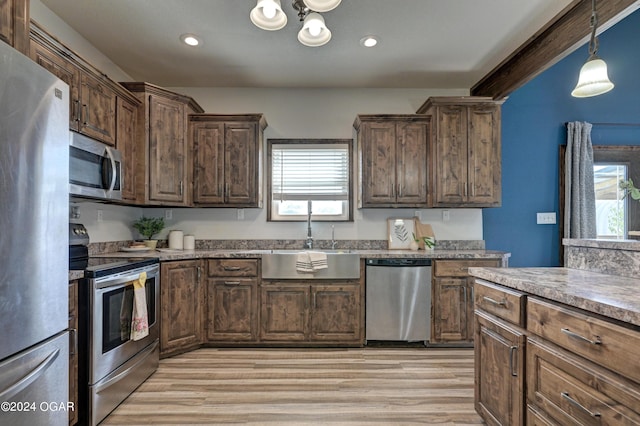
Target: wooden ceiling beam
x: 565, y: 33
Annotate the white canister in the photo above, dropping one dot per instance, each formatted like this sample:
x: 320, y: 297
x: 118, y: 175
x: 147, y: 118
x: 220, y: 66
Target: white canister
x: 176, y: 240
x: 189, y: 242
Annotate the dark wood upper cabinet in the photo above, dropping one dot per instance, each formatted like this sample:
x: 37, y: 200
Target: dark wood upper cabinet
x: 227, y: 153
x: 14, y: 24
x: 465, y: 151
x: 162, y: 138
x: 392, y: 157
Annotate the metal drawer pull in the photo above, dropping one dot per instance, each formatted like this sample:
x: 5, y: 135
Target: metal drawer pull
x: 512, y: 352
x: 495, y: 302
x: 232, y: 282
x: 579, y: 337
x: 566, y: 396
x: 231, y: 268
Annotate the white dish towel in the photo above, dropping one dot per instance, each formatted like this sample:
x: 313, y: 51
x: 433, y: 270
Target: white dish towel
x: 311, y: 261
x: 139, y: 318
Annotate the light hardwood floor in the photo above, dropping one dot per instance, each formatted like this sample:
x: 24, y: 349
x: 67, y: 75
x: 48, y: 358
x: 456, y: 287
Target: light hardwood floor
x: 384, y: 386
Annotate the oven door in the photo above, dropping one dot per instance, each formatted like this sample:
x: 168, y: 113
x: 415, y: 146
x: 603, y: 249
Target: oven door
x: 111, y: 311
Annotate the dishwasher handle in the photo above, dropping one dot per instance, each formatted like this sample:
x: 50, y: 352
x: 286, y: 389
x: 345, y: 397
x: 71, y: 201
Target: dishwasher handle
x: 400, y: 262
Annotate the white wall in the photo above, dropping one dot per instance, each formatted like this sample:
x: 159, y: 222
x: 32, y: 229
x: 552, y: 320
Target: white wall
x: 291, y: 113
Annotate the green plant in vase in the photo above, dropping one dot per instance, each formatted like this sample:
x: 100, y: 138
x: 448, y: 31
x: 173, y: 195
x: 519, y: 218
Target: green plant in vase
x: 148, y: 227
x: 629, y: 189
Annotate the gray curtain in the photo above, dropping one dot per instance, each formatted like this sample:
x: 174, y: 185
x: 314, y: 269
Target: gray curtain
x: 579, y: 201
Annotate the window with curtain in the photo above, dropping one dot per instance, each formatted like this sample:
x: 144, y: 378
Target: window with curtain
x: 309, y: 173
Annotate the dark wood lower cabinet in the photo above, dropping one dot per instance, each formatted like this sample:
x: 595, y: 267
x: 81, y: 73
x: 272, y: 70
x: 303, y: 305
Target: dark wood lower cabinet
x: 181, y: 296
x: 232, y: 310
x: 499, y: 371
x: 303, y: 312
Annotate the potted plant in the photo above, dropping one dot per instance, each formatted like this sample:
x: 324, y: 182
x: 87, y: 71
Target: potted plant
x: 629, y: 189
x: 148, y: 227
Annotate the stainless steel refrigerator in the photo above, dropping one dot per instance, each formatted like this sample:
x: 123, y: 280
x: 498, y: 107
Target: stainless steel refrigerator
x: 34, y: 203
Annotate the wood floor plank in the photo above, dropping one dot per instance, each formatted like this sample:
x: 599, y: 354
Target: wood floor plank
x: 379, y: 386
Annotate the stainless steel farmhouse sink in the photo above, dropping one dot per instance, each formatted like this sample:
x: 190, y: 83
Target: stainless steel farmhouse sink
x: 281, y: 264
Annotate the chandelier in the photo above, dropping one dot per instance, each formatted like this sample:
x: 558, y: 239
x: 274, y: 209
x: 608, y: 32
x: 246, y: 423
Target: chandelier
x: 269, y: 16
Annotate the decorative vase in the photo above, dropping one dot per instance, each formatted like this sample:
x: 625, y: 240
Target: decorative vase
x: 151, y: 244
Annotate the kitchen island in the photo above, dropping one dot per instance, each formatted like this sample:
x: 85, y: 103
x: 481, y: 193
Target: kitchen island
x: 568, y: 336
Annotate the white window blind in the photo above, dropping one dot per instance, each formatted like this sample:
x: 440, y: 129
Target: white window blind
x: 310, y: 172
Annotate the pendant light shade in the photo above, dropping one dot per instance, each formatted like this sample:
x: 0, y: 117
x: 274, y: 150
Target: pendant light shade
x: 593, y: 79
x: 322, y: 5
x: 314, y: 32
x: 268, y: 15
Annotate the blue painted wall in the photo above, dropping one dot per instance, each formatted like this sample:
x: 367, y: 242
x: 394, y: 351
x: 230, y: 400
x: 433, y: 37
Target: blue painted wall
x: 533, y: 128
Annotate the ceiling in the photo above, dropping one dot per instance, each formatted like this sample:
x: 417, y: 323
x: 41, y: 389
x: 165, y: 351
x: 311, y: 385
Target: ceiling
x: 424, y: 43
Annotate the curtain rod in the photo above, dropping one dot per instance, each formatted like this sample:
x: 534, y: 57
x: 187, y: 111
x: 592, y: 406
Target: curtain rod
x: 614, y: 124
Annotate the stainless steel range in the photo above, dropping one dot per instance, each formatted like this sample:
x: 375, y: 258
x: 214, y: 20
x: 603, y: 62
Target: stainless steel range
x: 111, y: 364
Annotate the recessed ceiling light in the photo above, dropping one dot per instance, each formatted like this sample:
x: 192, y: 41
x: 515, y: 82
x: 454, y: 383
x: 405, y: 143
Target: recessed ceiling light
x: 369, y: 41
x: 191, y: 39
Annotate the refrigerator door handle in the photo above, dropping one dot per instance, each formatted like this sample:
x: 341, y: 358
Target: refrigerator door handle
x: 8, y: 393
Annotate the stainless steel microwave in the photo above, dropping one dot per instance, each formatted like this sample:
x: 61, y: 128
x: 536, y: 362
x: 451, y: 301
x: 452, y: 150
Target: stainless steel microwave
x: 95, y: 169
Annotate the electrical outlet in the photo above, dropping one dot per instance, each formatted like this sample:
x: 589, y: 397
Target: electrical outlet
x: 240, y: 214
x: 100, y: 216
x: 548, y: 218
x: 446, y: 215
x: 168, y: 214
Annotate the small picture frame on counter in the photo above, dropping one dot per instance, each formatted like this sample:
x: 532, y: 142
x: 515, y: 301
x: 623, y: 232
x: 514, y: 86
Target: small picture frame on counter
x: 400, y: 232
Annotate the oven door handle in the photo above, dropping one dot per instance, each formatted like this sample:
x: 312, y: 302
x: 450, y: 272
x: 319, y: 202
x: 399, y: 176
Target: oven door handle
x: 142, y: 355
x: 125, y: 280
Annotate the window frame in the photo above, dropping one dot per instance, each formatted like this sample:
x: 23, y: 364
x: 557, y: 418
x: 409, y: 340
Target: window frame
x: 270, y: 142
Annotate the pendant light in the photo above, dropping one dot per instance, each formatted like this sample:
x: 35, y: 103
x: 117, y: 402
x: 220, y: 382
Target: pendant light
x: 593, y: 79
x: 268, y: 15
x: 314, y: 32
x: 322, y: 5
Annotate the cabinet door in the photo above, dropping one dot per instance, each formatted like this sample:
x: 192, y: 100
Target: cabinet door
x: 411, y: 167
x: 14, y: 24
x: 378, y: 158
x: 499, y: 371
x: 167, y: 151
x: 65, y: 71
x: 98, y: 109
x: 484, y: 172
x: 181, y: 321
x: 232, y: 307
x: 241, y: 174
x: 127, y: 145
x: 284, y: 312
x: 451, y: 155
x: 208, y: 140
x: 450, y: 310
x: 335, y: 313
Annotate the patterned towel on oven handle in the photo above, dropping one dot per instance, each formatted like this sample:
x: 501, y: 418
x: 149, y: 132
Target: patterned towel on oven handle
x: 139, y: 319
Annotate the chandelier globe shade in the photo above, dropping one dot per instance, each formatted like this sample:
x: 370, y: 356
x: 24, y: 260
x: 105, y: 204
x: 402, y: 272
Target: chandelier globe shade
x: 322, y: 5
x: 314, y: 32
x: 268, y: 15
x: 593, y: 79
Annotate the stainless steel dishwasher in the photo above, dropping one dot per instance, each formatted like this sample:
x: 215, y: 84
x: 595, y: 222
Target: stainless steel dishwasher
x: 398, y: 300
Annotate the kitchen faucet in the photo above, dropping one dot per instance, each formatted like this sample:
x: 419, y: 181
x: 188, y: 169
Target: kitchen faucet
x: 309, y: 243
x: 333, y: 237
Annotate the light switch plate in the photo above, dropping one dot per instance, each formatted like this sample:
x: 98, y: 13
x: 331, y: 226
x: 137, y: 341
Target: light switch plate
x: 546, y: 218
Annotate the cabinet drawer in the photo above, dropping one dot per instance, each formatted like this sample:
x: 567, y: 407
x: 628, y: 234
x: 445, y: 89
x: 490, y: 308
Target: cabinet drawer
x: 500, y: 301
x: 233, y: 267
x: 535, y: 418
x: 460, y: 268
x: 576, y: 392
x: 605, y: 343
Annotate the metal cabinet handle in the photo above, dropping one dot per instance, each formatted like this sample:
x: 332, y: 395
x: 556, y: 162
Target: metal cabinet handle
x: 181, y: 187
x: 73, y: 347
x: 494, y: 301
x: 85, y: 110
x: 512, y: 352
x: 198, y: 273
x: 566, y: 396
x: 399, y: 191
x: 76, y: 110
x: 232, y: 282
x: 473, y: 190
x: 464, y: 186
x: 231, y: 268
x: 570, y: 333
x: 466, y: 299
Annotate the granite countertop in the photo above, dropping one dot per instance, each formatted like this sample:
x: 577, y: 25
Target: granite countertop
x: 168, y: 254
x: 608, y: 295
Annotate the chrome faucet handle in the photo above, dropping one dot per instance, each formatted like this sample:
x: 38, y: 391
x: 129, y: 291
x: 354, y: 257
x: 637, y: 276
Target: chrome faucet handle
x: 334, y: 243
